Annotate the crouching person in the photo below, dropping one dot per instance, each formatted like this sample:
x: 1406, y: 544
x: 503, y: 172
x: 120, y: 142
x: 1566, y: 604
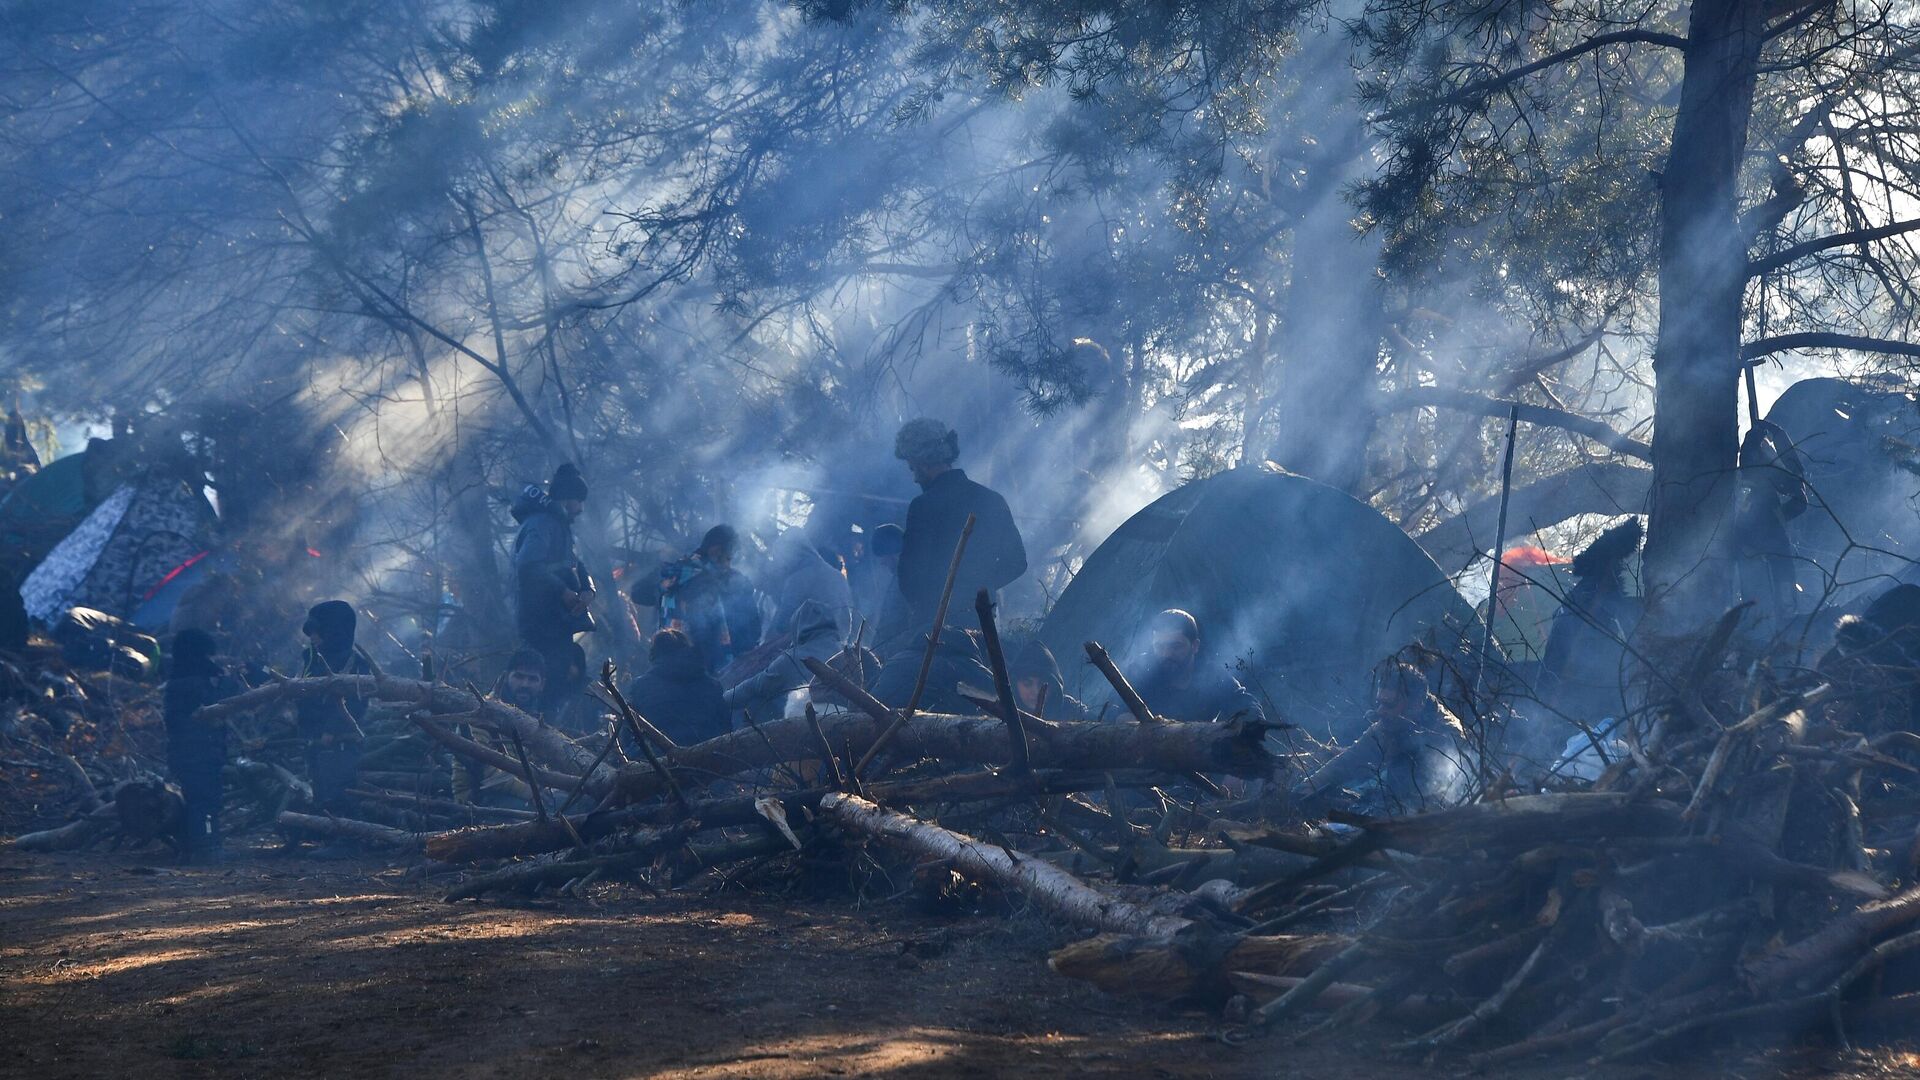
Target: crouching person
x: 196, y: 749
x: 1413, y: 755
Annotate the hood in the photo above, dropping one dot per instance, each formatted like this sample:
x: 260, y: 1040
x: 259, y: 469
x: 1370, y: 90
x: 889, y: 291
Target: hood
x: 532, y: 500
x: 1032, y: 659
x: 811, y: 619
x: 332, y: 624
x: 192, y: 656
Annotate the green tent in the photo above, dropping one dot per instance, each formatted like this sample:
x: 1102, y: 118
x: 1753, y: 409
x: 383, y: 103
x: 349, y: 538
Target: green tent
x: 43, y: 508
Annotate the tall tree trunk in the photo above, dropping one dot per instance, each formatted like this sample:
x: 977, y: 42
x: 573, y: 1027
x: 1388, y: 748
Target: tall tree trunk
x: 1703, y: 260
x: 480, y: 583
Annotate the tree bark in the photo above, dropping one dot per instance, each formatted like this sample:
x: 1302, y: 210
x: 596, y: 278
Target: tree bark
x: 1703, y: 275
x: 1045, y: 884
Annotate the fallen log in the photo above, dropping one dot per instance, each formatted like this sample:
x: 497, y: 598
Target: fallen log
x: 621, y: 852
x: 349, y: 830
x: 547, y: 743
x: 72, y: 836
x: 1047, y: 886
x: 1235, y: 748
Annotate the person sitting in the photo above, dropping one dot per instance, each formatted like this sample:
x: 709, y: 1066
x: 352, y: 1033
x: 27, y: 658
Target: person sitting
x: 1409, y: 758
x: 956, y: 662
x: 523, y: 686
x: 1182, y: 686
x: 1037, y: 684
x: 677, y: 695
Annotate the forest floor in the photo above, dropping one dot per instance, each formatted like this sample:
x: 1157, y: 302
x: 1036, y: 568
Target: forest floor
x: 120, y: 965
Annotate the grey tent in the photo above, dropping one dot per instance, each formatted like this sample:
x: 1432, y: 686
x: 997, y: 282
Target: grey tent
x: 1298, y: 586
x: 1860, y: 444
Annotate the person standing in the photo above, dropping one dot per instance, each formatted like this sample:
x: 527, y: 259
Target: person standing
x: 995, y: 556
x: 707, y: 598
x: 196, y: 749
x: 552, y: 590
x: 330, y: 725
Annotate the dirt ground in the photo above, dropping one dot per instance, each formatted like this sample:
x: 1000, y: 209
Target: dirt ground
x: 119, y: 965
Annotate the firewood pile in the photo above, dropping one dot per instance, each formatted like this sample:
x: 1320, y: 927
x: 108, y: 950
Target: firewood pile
x: 1748, y: 863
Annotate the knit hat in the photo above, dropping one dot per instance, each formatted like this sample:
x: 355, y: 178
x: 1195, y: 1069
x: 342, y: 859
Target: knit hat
x: 567, y: 483
x: 332, y: 623
x: 926, y: 441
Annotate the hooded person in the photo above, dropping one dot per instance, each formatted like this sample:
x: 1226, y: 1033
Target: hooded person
x: 815, y: 636
x: 1037, y: 684
x: 677, y: 695
x: 1875, y: 664
x: 330, y: 725
x: 552, y: 591
x: 995, y: 556
x: 196, y: 749
x: 1180, y: 684
x: 708, y: 598
x: 800, y: 574
x: 1772, y: 492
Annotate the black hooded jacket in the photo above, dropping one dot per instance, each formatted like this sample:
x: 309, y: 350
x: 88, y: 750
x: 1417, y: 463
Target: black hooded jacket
x: 332, y: 652
x: 193, y: 681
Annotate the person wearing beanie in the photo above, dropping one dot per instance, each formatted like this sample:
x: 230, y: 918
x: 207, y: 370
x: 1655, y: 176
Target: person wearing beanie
x: 553, y: 594
x: 331, y: 725
x: 196, y: 749
x: 995, y: 557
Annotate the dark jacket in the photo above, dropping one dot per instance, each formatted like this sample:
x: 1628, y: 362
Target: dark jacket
x: 193, y: 681
x: 995, y: 557
x: 677, y: 696
x: 1213, y: 695
x: 332, y: 653
x: 545, y: 568
x: 1031, y: 659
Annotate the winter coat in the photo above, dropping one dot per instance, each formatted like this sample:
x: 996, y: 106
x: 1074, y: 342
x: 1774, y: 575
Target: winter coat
x: 802, y: 575
x: 995, y: 556
x: 1031, y: 659
x: 815, y: 637
x: 1212, y: 695
x: 545, y: 569
x: 1580, y: 674
x: 678, y: 696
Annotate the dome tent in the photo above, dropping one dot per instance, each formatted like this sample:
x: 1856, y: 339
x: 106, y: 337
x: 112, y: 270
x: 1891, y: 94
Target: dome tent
x: 1299, y: 587
x: 123, y: 548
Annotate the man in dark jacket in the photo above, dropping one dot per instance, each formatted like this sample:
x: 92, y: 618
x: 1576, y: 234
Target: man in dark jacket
x: 1583, y: 668
x: 1772, y: 492
x: 331, y: 725
x: 1411, y: 757
x: 1182, y: 686
x: 1037, y: 683
x: 677, y: 695
x: 995, y: 556
x: 196, y: 750
x: 552, y: 589
x: 707, y: 598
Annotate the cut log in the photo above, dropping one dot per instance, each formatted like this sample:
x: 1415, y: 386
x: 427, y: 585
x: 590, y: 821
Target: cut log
x: 349, y: 830
x: 1047, y: 886
x: 72, y: 836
